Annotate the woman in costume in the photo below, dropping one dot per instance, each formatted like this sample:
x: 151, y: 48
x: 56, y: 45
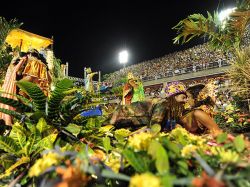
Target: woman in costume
x: 133, y: 90
x: 89, y: 86
x: 165, y: 112
x: 196, y: 120
x: 36, y: 71
x: 9, y: 85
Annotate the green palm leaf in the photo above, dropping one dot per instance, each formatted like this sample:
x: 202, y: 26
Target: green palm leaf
x: 57, y: 96
x: 16, y: 104
x: 24, y: 100
x: 223, y: 35
x: 35, y: 93
x: 195, y: 25
x: 70, y: 108
x: 15, y: 114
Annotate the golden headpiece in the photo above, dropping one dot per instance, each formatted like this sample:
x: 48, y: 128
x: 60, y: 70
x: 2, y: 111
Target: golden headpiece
x: 130, y: 76
x: 174, y: 88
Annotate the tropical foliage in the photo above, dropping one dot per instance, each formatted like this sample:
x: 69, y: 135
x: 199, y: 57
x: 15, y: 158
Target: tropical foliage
x: 5, y: 56
x: 52, y: 144
x: 122, y: 157
x: 239, y: 73
x: 231, y: 35
x: 220, y: 34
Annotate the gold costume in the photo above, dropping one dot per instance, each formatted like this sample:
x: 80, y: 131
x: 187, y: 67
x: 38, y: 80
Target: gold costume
x: 37, y: 70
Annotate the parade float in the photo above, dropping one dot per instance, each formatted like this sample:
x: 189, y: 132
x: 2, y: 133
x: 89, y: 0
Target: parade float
x: 50, y: 143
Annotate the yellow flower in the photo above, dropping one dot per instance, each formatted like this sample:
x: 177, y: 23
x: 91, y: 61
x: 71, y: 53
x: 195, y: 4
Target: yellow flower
x: 105, y: 128
x: 230, y: 108
x: 230, y: 120
x: 188, y: 150
x: 177, y: 131
x: 44, y: 163
x: 140, y: 141
x: 122, y: 132
x: 227, y: 156
x: 145, y: 180
x: 114, y: 162
x: 162, y: 134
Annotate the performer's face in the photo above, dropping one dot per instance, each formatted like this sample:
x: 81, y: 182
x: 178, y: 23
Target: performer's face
x: 181, y: 98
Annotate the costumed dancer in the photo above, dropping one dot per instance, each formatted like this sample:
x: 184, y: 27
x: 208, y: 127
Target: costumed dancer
x: 133, y: 90
x: 165, y: 112
x: 195, y: 119
x: 89, y: 86
x: 37, y: 71
x: 9, y: 85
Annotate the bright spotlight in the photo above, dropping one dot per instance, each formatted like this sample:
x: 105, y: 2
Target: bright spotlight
x: 123, y: 57
x: 223, y: 15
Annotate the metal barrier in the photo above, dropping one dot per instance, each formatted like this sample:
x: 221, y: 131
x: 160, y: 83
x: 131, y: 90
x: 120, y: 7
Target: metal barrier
x: 190, y: 69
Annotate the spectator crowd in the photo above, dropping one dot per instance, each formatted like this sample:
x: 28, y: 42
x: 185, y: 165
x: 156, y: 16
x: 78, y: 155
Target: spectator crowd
x: 194, y: 59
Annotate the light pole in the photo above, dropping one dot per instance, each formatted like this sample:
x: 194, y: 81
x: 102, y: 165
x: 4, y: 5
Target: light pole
x: 123, y: 57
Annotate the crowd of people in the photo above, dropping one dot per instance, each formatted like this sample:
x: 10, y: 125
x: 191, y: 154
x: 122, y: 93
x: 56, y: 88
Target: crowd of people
x: 195, y: 59
x: 154, y: 91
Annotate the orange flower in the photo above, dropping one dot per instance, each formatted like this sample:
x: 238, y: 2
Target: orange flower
x: 72, y: 176
x: 206, y: 181
x: 99, y: 155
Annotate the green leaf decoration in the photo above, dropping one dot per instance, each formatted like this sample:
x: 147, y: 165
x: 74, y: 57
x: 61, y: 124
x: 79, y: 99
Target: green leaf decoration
x: 22, y: 99
x: 157, y: 151
x: 47, y: 142
x: 111, y: 175
x: 8, y: 144
x: 35, y: 116
x: 42, y: 125
x: 18, y: 134
x: 74, y: 129
x: 172, y: 147
x: 182, y: 167
x: 16, y: 104
x: 156, y: 128
x: 182, y: 139
x: 167, y: 180
x: 239, y: 143
x: 221, y: 138
x: 7, y: 159
x: 21, y: 161
x: 15, y: 114
x: 57, y: 96
x: 35, y: 93
x: 106, y: 144
x: 135, y: 160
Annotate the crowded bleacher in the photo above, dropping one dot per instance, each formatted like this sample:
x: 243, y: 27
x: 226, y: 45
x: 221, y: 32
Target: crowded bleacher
x: 194, y: 59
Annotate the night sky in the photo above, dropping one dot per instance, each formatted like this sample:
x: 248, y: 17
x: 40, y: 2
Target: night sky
x: 91, y: 34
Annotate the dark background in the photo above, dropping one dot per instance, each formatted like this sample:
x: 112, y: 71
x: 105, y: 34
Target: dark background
x: 91, y: 33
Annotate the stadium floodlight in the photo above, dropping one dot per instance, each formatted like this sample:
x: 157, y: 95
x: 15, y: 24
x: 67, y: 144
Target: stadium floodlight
x: 223, y: 15
x: 123, y: 57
